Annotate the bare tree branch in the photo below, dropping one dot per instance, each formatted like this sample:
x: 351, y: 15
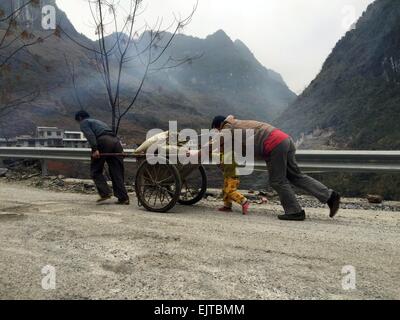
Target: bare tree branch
x: 12, y: 42
x: 10, y: 106
x: 22, y: 47
x: 71, y: 69
x: 114, y: 55
x: 17, y: 11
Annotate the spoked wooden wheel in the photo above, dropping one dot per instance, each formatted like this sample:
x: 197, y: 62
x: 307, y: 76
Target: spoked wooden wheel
x: 158, y: 186
x: 194, y: 184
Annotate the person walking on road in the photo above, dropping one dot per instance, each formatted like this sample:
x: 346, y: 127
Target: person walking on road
x: 231, y: 185
x: 102, y: 140
x: 278, y: 150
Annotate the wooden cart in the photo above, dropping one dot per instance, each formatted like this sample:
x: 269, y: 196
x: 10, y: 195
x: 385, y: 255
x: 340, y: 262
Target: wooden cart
x: 159, y: 187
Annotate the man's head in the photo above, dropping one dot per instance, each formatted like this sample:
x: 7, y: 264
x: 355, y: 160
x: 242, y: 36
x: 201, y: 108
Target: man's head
x: 218, y: 122
x: 81, y: 115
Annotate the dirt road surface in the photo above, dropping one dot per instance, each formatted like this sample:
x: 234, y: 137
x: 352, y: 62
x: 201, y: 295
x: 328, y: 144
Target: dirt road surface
x: 112, y: 252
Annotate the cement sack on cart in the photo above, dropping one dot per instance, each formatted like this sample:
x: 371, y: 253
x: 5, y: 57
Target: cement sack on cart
x: 158, y: 139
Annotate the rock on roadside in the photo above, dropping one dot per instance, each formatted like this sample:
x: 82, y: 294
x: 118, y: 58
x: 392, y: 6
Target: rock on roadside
x: 372, y: 198
x: 3, y: 172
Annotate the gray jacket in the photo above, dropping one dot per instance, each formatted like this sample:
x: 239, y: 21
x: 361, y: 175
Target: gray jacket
x: 261, y: 133
x: 93, y: 129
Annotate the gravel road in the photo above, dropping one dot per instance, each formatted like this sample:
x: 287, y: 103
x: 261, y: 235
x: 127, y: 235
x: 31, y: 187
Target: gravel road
x: 112, y: 252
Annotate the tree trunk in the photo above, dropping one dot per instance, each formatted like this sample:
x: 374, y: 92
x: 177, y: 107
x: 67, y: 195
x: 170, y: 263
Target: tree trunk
x: 113, y: 120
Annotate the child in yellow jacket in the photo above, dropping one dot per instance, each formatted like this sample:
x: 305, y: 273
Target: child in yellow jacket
x: 231, y: 184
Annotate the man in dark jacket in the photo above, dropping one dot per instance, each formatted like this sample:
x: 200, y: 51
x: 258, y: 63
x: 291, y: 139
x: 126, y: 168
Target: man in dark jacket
x: 278, y: 149
x: 102, y: 140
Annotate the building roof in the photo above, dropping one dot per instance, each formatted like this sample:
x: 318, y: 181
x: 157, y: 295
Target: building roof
x: 49, y: 128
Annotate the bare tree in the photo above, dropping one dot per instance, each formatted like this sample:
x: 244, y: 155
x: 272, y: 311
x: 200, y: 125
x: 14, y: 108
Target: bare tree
x: 113, y: 55
x: 14, y: 38
x: 72, y: 72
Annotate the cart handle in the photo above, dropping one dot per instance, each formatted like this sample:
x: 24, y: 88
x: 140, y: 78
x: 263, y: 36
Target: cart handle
x: 125, y: 155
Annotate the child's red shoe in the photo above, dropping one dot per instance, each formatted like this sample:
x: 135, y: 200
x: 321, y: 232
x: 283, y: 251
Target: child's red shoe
x: 225, y: 209
x: 245, y: 208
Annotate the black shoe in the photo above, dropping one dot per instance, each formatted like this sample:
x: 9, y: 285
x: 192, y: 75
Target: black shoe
x: 301, y: 216
x: 123, y: 202
x: 334, y: 204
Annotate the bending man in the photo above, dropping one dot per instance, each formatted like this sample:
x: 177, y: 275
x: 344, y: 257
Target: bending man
x: 102, y: 140
x: 278, y: 150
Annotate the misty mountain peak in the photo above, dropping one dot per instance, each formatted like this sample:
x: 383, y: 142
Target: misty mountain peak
x: 220, y: 36
x: 222, y: 77
x: 120, y: 36
x: 30, y: 15
x: 241, y: 46
x: 356, y: 95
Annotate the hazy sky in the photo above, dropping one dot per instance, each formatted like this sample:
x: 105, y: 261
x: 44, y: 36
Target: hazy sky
x: 292, y: 37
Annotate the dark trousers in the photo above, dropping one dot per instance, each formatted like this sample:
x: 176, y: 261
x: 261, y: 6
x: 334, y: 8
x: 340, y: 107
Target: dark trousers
x: 284, y: 172
x: 109, y: 144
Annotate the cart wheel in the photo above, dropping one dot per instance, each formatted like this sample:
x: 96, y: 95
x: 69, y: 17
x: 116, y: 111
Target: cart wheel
x: 194, y: 187
x: 158, y: 186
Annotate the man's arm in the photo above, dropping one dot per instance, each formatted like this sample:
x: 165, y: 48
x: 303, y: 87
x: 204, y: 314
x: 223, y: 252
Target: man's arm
x: 89, y: 134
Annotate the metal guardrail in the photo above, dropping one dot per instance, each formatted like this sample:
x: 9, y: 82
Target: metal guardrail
x: 71, y: 154
x: 309, y: 160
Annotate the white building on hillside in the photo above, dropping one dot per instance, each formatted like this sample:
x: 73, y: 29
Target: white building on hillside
x: 48, y: 137
x: 74, y: 139
x: 8, y: 142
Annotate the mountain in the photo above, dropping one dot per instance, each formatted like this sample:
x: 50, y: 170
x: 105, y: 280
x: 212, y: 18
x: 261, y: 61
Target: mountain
x: 355, y: 99
x: 223, y: 78
x: 40, y: 70
x: 30, y: 16
x: 228, y: 70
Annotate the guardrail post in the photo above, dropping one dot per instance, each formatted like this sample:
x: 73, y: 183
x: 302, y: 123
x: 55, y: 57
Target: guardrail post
x: 45, y: 171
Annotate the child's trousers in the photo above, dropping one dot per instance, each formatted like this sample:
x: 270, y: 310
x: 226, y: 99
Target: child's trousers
x: 231, y: 194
